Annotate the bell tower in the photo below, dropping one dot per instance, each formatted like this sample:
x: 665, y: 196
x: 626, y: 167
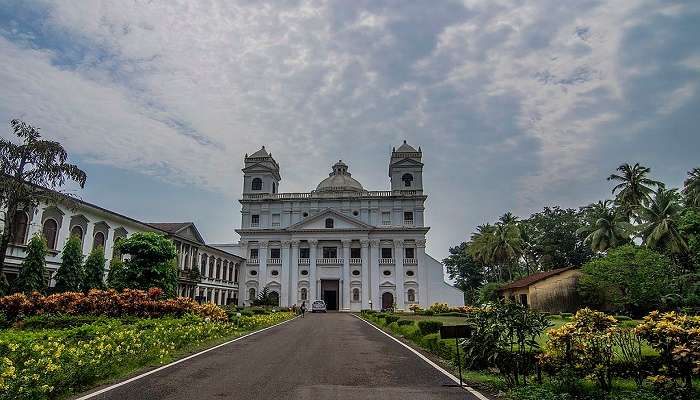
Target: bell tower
x: 406, y: 168
x: 261, y: 173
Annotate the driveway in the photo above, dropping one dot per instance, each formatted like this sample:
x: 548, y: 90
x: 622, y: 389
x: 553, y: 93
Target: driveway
x: 322, y: 356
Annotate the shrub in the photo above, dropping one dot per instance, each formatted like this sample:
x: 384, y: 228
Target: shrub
x: 415, y: 308
x: 429, y: 326
x: 427, y: 313
x: 391, y: 318
x: 151, y: 263
x: 69, y: 276
x: 566, y: 315
x: 437, y: 346
x: 623, y: 318
x: 440, y: 308
x: 32, y: 275
x: 489, y: 293
x: 404, y: 322
x: 368, y: 312
x: 94, y: 270
x: 451, y: 314
x: 259, y: 310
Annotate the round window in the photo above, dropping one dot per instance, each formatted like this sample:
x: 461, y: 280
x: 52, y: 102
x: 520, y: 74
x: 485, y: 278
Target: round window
x: 386, y: 272
x: 305, y: 214
x: 253, y: 272
x: 356, y: 213
x: 356, y: 272
x: 275, y: 272
x: 410, y: 273
x: 304, y: 272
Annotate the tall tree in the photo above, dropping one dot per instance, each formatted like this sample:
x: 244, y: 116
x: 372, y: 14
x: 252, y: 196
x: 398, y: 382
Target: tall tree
x: 553, y: 239
x: 661, y: 216
x: 94, y: 269
x: 32, y: 276
x: 480, y: 249
x: 70, y: 274
x: 506, y: 247
x: 634, y: 187
x: 691, y: 188
x: 151, y: 262
x: 465, y: 271
x: 605, y: 227
x: 27, y: 170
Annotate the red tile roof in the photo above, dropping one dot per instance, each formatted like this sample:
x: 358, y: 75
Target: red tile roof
x: 534, y: 278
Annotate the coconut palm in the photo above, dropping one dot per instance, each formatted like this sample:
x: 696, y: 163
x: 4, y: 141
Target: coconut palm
x: 691, y: 190
x: 480, y: 243
x: 660, y: 231
x: 606, y: 228
x: 506, y: 246
x: 635, y: 188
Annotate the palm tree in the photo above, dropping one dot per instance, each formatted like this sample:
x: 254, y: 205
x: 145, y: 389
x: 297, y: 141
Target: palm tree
x: 506, y: 246
x: 660, y: 231
x: 480, y: 243
x: 508, y: 218
x: 635, y: 188
x: 691, y: 190
x: 607, y: 227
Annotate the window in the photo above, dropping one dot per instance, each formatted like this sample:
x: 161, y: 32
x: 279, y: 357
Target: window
x: 356, y: 272
x: 356, y: 294
x: 255, y: 220
x: 410, y: 273
x: 356, y: 213
x: 274, y: 272
x: 254, y: 254
x: 409, y: 252
x: 329, y: 222
x: 211, y: 266
x: 253, y: 272
x: 411, y: 295
x: 386, y: 218
x: 304, y: 252
x: 355, y: 252
x: 203, y: 265
x: 386, y: 272
x: 77, y: 231
x: 274, y: 187
x: 251, y: 294
x: 257, y: 184
x: 218, y: 269
x: 275, y: 220
x: 98, y: 240
x: 408, y: 217
x: 274, y: 253
x: 386, y: 252
x: 235, y: 274
x: 305, y: 214
x: 407, y: 180
x: 304, y: 272
x: 20, y: 232
x: 523, y: 299
x: 49, y: 231
x: 330, y: 252
x: 303, y: 293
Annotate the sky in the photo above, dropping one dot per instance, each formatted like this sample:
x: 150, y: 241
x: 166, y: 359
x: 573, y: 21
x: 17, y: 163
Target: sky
x: 516, y: 104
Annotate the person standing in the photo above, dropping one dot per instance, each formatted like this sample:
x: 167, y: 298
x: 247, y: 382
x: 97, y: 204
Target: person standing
x: 303, y: 308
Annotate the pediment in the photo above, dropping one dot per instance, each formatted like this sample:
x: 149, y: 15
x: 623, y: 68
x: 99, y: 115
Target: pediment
x: 258, y: 167
x: 190, y: 232
x: 407, y: 162
x: 340, y: 221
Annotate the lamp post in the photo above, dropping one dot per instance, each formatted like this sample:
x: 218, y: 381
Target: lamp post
x: 370, y: 304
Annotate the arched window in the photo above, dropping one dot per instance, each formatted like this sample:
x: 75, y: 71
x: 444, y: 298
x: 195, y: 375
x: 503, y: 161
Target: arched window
x: 303, y: 293
x: 329, y: 222
x: 98, y: 240
x: 211, y: 266
x: 49, y: 231
x: 411, y: 295
x: 257, y: 184
x: 203, y: 265
x: 274, y: 187
x: 407, y: 180
x: 218, y: 269
x: 275, y: 298
x: 251, y: 294
x: 356, y: 294
x: 77, y: 231
x: 20, y: 224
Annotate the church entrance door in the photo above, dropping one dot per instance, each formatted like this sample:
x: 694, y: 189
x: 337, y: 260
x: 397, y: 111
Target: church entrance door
x: 330, y: 292
x: 387, y: 300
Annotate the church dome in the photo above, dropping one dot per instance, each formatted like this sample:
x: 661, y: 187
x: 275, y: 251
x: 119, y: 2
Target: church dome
x: 340, y: 180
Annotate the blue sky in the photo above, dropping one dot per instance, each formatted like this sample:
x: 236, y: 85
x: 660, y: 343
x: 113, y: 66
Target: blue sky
x: 516, y: 104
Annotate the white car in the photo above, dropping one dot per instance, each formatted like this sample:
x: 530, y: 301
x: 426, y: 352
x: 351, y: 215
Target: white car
x: 318, y: 306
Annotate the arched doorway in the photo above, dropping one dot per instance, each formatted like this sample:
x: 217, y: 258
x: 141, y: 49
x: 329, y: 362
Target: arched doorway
x: 275, y: 298
x: 387, y: 300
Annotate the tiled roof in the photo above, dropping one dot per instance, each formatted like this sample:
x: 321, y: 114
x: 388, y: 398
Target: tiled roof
x: 534, y: 278
x: 170, y: 227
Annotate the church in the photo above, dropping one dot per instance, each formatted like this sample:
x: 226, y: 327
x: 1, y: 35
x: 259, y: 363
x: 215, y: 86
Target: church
x: 351, y: 247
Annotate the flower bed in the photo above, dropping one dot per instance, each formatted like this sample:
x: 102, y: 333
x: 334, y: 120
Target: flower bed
x: 48, y: 363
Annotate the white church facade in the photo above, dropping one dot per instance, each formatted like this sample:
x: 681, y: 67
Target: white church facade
x: 354, y: 248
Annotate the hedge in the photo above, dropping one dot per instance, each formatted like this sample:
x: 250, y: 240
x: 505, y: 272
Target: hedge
x: 429, y: 326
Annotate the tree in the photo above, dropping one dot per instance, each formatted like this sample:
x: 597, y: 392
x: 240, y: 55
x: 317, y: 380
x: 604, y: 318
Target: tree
x: 635, y: 188
x: 661, y: 216
x: 116, y: 278
x: 465, y: 271
x: 94, y: 270
x: 266, y: 298
x: 606, y: 227
x: 689, y: 228
x: 70, y: 274
x: 506, y: 247
x: 151, y: 263
x: 27, y: 169
x: 628, y: 279
x: 553, y: 239
x: 691, y: 188
x: 32, y: 276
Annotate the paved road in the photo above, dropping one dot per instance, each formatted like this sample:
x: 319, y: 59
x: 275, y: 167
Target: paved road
x: 323, y: 356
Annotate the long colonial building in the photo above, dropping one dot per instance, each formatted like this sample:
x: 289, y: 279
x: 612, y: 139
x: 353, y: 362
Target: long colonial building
x: 206, y: 273
x: 354, y: 248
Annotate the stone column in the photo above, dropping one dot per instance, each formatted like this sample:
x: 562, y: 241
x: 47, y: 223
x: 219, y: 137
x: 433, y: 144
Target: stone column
x: 262, y: 274
x: 346, y: 276
x: 284, y: 277
x: 312, y: 270
x: 374, y: 274
x: 294, y: 274
x: 423, y: 290
x: 400, y: 274
x: 109, y: 248
x: 365, y: 274
x: 87, y: 237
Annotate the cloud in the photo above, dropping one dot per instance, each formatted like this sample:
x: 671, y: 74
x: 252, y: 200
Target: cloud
x: 515, y: 100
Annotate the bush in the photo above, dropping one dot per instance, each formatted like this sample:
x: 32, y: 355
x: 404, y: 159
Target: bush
x: 623, y: 318
x: 368, y: 312
x: 440, y: 308
x: 489, y: 293
x: 415, y: 308
x: 451, y: 314
x: 427, y: 313
x: 428, y: 326
x: 259, y: 310
x: 404, y: 322
x: 391, y: 318
x: 566, y: 315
